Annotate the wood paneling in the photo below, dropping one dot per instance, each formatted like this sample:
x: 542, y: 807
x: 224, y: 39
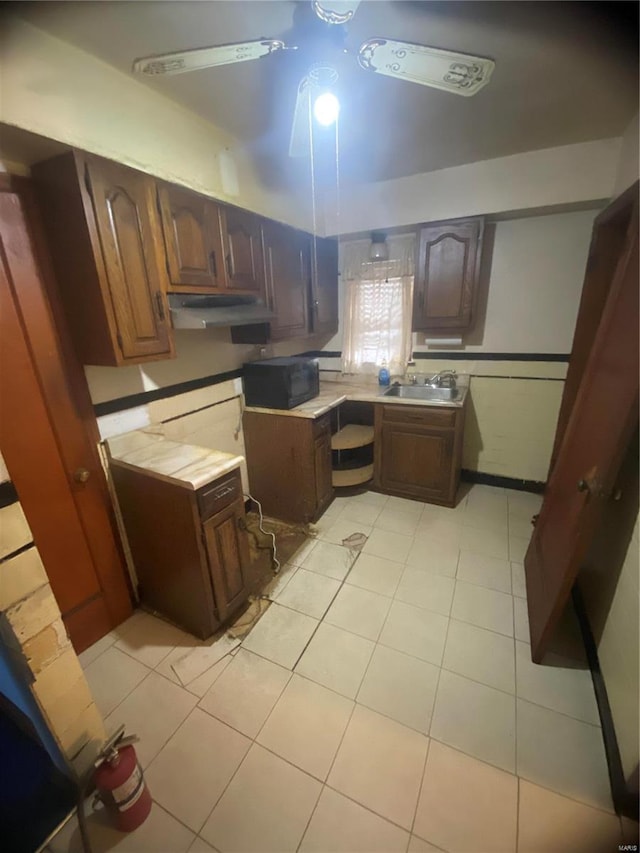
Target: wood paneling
x: 607, y: 242
x: 418, y: 452
x: 48, y: 432
x: 287, y: 258
x: 106, y: 241
x: 193, y: 241
x: 602, y: 421
x: 445, y: 287
x: 287, y: 471
x: 324, y: 286
x: 163, y: 529
x: 192, y: 566
x: 228, y: 556
x: 242, y: 237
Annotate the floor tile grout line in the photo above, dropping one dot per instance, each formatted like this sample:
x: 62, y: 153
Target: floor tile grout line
x: 420, y: 786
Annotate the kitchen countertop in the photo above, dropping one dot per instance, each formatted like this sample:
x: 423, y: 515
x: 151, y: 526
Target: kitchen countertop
x: 332, y: 394
x: 185, y: 464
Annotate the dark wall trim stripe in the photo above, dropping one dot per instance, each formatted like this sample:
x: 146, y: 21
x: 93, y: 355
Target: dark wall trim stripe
x: 18, y: 551
x: 111, y: 406
x: 465, y: 356
x: 8, y: 494
x: 535, y: 486
x: 625, y: 802
x: 494, y: 356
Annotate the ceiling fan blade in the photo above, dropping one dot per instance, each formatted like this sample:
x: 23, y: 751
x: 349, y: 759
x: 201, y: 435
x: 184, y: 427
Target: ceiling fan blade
x: 207, y: 57
x: 299, y: 143
x: 460, y: 73
x: 335, y: 11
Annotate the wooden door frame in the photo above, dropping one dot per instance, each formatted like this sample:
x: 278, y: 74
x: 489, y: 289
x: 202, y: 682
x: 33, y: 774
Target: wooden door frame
x: 66, y: 395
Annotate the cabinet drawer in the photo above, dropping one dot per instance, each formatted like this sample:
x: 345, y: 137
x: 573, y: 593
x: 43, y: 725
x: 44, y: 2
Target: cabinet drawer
x: 423, y: 415
x: 322, y: 425
x: 219, y: 494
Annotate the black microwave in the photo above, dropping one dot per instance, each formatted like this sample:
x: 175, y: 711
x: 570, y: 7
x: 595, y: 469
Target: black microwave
x: 280, y: 383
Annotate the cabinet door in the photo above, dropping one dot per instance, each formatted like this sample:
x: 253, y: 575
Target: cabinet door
x: 322, y: 468
x: 324, y: 286
x: 228, y: 555
x: 446, y: 281
x: 417, y: 461
x: 193, y: 240
x: 244, y: 263
x: 286, y: 254
x: 131, y: 242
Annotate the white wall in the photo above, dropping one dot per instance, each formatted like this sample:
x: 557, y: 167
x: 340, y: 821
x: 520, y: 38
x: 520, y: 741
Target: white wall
x: 531, y: 285
x: 628, y: 167
x: 54, y: 89
x: 536, y: 179
x: 619, y: 656
x: 534, y: 284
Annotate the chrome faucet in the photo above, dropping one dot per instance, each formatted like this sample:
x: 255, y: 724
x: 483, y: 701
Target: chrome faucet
x: 443, y: 379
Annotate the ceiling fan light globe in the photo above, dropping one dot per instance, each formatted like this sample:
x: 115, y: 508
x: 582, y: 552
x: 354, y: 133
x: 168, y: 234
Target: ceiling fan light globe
x: 326, y: 108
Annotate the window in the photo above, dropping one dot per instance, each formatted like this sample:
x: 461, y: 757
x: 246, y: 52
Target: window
x: 377, y: 311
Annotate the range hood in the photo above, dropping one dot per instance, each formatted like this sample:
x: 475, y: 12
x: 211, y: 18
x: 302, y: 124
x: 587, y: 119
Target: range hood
x: 192, y: 311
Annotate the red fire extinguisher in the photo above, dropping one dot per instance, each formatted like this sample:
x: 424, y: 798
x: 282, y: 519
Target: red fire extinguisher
x: 120, y: 784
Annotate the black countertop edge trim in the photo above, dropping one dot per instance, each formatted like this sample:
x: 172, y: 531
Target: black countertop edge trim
x: 8, y: 494
x: 535, y: 486
x: 109, y: 407
x: 18, y: 551
x: 562, y: 358
x: 624, y: 801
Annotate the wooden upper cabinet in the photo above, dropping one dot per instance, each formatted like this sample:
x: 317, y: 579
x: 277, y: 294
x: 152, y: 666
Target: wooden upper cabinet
x: 243, y: 259
x: 287, y: 269
x: 106, y: 241
x: 446, y: 281
x: 324, y: 286
x: 193, y: 241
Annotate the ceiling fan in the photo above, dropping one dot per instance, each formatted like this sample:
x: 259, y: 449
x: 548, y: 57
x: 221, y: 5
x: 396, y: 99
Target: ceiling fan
x: 321, y: 41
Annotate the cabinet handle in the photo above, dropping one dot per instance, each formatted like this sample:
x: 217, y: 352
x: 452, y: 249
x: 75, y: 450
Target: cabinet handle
x: 213, y: 264
x: 81, y: 475
x: 227, y: 260
x: 159, y: 305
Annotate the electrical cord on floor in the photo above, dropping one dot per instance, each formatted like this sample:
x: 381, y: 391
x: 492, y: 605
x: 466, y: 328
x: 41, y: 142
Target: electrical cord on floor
x: 276, y: 563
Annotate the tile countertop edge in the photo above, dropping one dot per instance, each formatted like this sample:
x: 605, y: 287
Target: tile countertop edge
x: 183, y: 478
x: 329, y: 399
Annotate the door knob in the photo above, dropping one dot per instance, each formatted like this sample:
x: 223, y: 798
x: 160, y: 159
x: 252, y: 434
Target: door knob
x: 583, y: 486
x: 82, y: 475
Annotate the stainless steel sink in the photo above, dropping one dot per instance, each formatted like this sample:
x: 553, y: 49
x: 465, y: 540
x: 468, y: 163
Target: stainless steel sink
x: 422, y: 392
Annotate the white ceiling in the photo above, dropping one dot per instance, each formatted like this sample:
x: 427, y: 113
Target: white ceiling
x: 565, y: 73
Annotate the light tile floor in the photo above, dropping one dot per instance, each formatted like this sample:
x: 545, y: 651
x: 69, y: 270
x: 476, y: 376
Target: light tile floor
x: 385, y: 702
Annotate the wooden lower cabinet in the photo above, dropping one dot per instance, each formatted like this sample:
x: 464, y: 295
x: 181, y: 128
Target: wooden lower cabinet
x: 418, y: 452
x: 228, y: 555
x: 289, y: 464
x: 190, y: 548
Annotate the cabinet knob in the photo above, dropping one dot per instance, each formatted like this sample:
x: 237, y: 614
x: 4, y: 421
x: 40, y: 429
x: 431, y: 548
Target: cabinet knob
x: 81, y: 475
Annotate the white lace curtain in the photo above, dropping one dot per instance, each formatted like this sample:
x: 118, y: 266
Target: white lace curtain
x: 378, y: 304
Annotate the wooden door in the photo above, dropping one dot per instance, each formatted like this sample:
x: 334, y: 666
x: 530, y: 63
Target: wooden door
x: 324, y: 286
x: 242, y: 236
x: 228, y: 556
x: 287, y: 257
x: 193, y: 241
x: 601, y: 423
x: 417, y: 460
x: 610, y: 230
x: 322, y: 469
x: 446, y: 282
x: 48, y: 435
x: 130, y: 237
